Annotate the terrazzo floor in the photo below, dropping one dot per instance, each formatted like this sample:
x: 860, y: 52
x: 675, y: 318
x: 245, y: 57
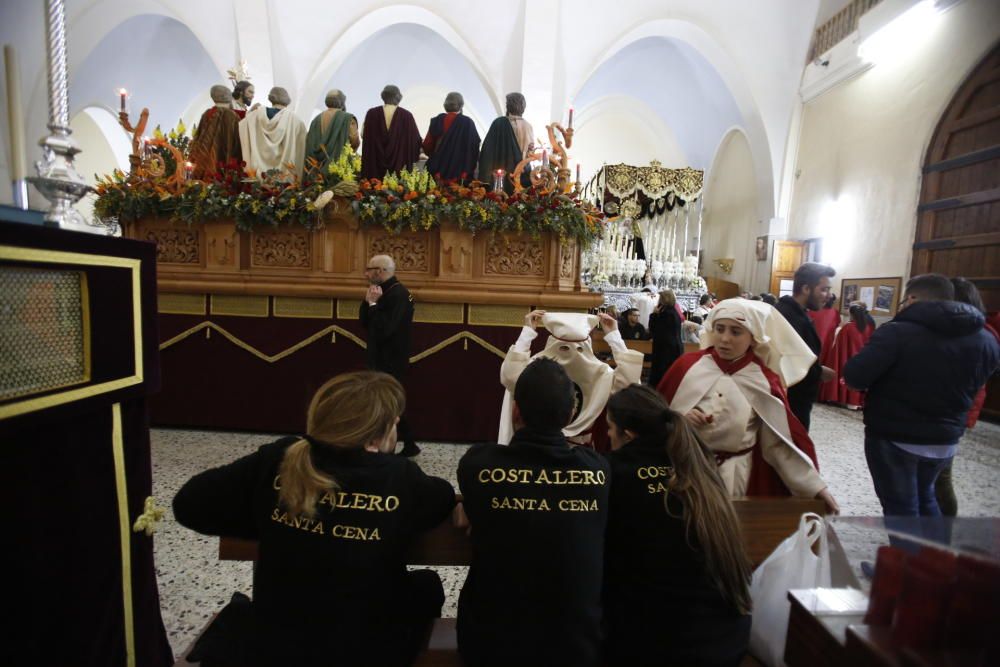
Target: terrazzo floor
x: 194, y: 584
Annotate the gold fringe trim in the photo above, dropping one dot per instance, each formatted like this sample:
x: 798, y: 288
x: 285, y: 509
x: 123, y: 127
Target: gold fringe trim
x: 332, y: 329
x: 125, y: 537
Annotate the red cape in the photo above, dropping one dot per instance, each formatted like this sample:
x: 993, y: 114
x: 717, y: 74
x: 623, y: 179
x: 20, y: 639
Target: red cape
x: 390, y: 149
x: 848, y: 342
x: 764, y: 480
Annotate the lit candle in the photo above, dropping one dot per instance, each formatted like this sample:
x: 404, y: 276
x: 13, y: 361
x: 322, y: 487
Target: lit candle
x: 498, y: 181
x: 571, y: 118
x: 123, y: 95
x: 545, y: 158
x: 145, y: 147
x: 578, y: 165
x: 15, y: 119
x: 188, y: 168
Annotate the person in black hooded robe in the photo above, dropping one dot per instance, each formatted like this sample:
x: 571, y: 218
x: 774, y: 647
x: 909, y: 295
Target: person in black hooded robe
x: 452, y: 142
x: 509, y: 140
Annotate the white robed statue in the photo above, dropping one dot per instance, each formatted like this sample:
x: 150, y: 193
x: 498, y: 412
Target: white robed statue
x: 569, y: 345
x: 273, y: 137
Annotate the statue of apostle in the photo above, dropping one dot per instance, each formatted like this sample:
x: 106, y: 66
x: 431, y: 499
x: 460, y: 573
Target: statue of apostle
x: 330, y: 130
x: 509, y: 140
x: 242, y: 97
x: 392, y: 140
x: 217, y: 136
x: 273, y: 137
x: 452, y: 142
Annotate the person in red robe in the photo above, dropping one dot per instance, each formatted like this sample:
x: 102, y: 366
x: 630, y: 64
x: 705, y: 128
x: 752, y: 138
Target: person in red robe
x: 452, y: 142
x: 847, y: 342
x: 216, y: 136
x: 733, y: 393
x: 390, y: 137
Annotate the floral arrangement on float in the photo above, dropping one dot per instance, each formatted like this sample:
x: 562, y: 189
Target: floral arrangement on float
x: 160, y: 184
x: 413, y: 200
x: 163, y: 188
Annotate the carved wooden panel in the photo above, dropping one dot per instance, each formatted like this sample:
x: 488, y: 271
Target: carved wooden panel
x: 566, y: 254
x: 409, y: 253
x: 289, y: 249
x: 176, y: 246
x: 514, y: 257
x: 456, y: 253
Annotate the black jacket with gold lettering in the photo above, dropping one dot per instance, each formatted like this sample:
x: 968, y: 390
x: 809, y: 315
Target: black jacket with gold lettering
x: 660, y: 606
x: 329, y: 589
x: 538, y: 510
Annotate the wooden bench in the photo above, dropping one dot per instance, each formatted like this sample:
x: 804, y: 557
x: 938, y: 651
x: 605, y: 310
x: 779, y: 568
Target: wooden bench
x: 765, y: 523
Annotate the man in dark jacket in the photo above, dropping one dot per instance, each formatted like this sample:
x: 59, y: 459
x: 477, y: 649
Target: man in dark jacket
x: 810, y: 290
x: 630, y: 326
x: 922, y: 371
x: 538, y: 510
x: 387, y: 313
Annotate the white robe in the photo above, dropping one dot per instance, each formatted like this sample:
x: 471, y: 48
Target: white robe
x: 273, y: 143
x: 745, y: 412
x: 596, y: 379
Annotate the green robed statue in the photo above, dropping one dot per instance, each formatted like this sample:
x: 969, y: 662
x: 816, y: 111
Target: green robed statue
x: 330, y: 130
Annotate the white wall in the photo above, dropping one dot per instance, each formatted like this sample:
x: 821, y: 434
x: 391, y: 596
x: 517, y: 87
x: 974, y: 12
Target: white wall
x: 729, y: 224
x: 863, y: 144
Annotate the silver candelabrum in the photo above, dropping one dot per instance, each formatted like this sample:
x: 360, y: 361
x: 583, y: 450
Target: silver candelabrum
x: 58, y: 179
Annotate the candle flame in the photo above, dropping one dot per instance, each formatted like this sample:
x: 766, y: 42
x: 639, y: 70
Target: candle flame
x: 122, y: 91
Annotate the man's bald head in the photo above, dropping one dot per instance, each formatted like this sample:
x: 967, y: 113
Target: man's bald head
x: 221, y: 94
x: 379, y: 269
x: 279, y: 97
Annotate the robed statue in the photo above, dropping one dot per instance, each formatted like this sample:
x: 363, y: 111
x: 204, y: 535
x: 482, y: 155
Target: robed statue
x: 216, y: 137
x: 331, y: 130
x: 242, y: 98
x: 273, y: 137
x: 452, y: 142
x: 391, y: 137
x: 509, y: 140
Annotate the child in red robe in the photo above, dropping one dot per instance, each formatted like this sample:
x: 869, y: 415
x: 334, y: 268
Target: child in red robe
x: 848, y: 342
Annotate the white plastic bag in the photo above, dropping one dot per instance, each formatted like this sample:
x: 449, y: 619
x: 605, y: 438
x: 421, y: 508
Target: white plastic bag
x: 792, y: 565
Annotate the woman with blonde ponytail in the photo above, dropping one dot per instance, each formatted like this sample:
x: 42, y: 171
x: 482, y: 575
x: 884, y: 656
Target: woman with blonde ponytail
x: 676, y: 587
x: 334, y: 512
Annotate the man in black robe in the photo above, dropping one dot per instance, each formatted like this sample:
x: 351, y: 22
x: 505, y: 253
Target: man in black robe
x: 452, y: 142
x: 387, y: 315
x: 391, y: 137
x: 509, y: 140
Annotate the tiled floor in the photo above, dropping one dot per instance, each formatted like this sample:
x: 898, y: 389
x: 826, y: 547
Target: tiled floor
x: 194, y: 584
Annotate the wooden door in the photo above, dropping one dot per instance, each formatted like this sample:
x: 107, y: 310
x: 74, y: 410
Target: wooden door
x: 786, y: 257
x: 958, y: 220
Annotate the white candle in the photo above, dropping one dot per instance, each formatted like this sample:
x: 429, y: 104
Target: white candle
x: 15, y: 118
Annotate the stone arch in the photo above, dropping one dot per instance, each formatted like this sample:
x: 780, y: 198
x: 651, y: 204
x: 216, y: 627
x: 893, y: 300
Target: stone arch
x: 708, y: 47
x: 374, y: 22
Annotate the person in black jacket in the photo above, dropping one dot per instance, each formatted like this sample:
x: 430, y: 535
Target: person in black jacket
x: 334, y: 516
x: 810, y: 290
x: 630, y: 327
x: 922, y: 371
x: 537, y: 509
x: 665, y: 330
x: 387, y: 314
x: 676, y: 585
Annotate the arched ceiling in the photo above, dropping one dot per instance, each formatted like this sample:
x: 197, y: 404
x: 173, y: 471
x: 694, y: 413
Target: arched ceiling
x: 673, y: 79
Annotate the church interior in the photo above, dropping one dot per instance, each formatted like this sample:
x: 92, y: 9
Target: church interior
x: 207, y: 219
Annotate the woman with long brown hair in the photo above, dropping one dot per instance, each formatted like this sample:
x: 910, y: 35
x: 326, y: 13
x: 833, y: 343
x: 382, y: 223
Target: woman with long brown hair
x: 334, y: 513
x: 676, y: 573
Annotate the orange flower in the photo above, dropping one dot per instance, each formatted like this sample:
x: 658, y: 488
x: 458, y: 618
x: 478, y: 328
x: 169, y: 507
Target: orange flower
x: 410, y: 195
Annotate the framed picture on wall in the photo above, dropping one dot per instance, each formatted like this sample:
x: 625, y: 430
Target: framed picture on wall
x: 761, y: 248
x: 881, y: 295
